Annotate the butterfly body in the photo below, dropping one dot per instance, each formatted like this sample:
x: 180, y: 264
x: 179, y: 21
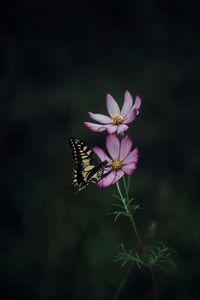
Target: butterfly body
x: 89, y: 167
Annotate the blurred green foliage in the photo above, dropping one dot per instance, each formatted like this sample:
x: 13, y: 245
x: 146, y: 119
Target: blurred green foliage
x: 57, y: 62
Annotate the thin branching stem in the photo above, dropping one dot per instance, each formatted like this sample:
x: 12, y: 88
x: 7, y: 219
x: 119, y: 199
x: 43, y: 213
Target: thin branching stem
x: 122, y: 198
x: 119, y: 191
x: 126, y: 202
x: 131, y: 216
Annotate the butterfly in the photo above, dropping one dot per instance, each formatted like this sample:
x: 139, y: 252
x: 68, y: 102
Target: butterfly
x: 89, y: 167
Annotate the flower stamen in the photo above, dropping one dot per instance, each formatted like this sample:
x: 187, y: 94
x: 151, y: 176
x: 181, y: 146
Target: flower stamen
x: 117, y: 164
x: 117, y: 119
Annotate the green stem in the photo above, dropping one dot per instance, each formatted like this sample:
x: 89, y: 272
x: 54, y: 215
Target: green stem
x: 136, y: 233
x: 122, y: 198
x: 126, y: 187
x: 131, y: 216
x: 126, y: 203
x: 119, y: 191
x: 123, y: 281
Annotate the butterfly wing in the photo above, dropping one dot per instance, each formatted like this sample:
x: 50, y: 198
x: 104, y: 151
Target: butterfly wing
x: 89, y: 167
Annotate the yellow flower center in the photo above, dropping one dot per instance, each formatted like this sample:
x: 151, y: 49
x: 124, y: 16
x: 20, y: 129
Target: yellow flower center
x: 117, y: 119
x: 117, y: 164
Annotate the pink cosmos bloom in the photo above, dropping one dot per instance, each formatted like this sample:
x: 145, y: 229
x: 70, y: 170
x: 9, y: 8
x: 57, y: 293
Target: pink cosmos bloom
x: 118, y: 119
x: 121, y: 159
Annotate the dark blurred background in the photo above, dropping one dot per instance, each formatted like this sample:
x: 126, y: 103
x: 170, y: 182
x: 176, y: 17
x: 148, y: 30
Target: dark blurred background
x: 57, y: 62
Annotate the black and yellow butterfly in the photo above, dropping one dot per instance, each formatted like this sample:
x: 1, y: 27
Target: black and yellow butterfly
x: 89, y: 167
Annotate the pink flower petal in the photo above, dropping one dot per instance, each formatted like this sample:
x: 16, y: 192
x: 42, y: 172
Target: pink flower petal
x: 112, y: 106
x: 102, y: 155
x: 108, y: 168
x: 129, y: 168
x: 121, y: 128
x: 94, y: 127
x: 118, y: 175
x: 111, y: 128
x: 107, y: 180
x: 137, y: 104
x: 128, y: 103
x: 113, y: 146
x: 100, y: 118
x: 132, y: 157
x: 126, y: 144
x: 130, y: 117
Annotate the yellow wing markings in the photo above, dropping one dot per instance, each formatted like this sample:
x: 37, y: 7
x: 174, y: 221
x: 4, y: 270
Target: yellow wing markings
x: 86, y: 162
x: 88, y: 168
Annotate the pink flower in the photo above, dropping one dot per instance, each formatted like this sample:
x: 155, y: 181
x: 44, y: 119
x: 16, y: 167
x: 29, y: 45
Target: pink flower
x: 121, y: 159
x: 118, y: 120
